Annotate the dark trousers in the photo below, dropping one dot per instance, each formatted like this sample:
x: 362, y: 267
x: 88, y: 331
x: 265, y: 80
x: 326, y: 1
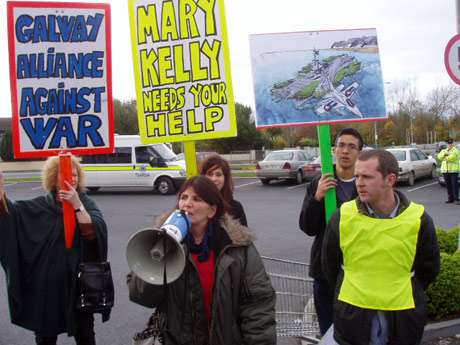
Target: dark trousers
x: 324, y: 302
x: 451, y: 185
x: 84, y: 335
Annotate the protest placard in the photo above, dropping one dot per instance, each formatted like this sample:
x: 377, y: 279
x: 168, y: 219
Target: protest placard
x: 60, y: 74
x: 182, y: 70
x: 317, y: 77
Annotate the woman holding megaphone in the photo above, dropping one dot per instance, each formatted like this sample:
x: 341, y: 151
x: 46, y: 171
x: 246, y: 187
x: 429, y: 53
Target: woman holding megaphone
x: 223, y: 296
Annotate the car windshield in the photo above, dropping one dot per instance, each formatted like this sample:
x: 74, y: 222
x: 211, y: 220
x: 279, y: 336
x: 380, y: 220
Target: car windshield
x: 165, y: 152
x: 399, y: 155
x: 279, y: 156
x: 310, y: 156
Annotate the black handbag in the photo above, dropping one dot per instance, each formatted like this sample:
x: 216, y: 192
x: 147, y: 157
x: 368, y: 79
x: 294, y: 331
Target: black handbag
x: 95, y: 292
x: 95, y: 287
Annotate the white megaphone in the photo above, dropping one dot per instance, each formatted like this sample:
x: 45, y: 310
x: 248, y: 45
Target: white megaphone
x: 149, y: 250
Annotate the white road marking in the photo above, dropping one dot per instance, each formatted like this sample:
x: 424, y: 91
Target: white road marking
x: 247, y: 184
x: 36, y: 188
x: 297, y: 186
x: 426, y: 185
x: 10, y: 184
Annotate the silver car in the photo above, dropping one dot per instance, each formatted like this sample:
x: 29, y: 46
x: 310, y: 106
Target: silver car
x: 413, y: 164
x: 283, y: 164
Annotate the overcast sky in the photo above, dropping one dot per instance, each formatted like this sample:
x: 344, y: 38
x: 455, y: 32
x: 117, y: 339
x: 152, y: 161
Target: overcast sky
x: 412, y: 36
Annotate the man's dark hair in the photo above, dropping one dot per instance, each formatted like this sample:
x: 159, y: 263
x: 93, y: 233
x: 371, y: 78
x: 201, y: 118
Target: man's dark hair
x: 353, y: 132
x: 387, y: 162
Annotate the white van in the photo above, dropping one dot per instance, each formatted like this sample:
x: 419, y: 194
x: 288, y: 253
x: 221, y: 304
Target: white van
x: 135, y: 165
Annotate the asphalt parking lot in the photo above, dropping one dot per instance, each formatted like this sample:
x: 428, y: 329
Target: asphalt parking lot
x: 272, y: 213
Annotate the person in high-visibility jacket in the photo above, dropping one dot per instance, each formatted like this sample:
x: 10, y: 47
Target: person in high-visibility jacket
x: 450, y: 167
x: 380, y: 253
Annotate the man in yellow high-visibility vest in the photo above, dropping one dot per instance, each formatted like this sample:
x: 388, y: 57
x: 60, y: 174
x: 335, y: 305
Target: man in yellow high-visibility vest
x: 380, y: 253
x: 450, y: 167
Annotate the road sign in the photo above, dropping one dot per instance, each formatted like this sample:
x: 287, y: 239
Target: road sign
x: 452, y: 58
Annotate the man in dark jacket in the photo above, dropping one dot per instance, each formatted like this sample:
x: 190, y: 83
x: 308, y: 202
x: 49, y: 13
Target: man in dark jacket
x: 312, y: 219
x: 380, y: 252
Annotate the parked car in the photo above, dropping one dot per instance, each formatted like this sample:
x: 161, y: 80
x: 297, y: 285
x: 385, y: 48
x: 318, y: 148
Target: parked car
x: 413, y: 164
x: 283, y: 164
x: 313, y: 168
x: 200, y: 156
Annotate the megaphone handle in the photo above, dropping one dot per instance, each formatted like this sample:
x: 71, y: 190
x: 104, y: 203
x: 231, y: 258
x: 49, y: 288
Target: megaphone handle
x: 186, y: 220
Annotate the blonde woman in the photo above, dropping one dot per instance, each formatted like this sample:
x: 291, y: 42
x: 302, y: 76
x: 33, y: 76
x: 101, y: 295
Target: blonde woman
x: 41, y: 272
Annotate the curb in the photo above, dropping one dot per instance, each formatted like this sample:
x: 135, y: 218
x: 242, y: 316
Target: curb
x: 21, y: 166
x: 441, y: 329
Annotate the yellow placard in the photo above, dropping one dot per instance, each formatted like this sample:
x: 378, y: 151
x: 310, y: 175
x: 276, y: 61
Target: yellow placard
x: 182, y: 70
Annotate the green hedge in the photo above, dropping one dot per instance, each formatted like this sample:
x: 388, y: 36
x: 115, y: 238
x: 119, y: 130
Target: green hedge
x: 448, y: 240
x: 6, y: 147
x: 444, y: 293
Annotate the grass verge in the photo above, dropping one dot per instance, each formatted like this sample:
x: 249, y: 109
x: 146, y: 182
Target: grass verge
x: 22, y: 179
x: 243, y: 174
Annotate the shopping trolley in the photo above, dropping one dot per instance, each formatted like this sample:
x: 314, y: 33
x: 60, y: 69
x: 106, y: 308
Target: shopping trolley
x: 296, y: 318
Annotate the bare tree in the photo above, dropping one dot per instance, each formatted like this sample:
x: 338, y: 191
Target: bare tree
x: 402, y: 94
x: 443, y: 101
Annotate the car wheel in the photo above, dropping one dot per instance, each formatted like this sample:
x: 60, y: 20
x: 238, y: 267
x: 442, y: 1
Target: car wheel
x: 164, y: 185
x: 411, y: 179
x: 299, y: 177
x: 433, y: 172
x: 265, y: 181
x: 93, y: 189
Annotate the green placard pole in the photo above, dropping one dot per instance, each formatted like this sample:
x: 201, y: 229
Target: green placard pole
x: 324, y: 137
x: 190, y: 158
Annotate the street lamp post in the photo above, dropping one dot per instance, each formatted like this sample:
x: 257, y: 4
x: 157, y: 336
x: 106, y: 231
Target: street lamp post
x: 457, y: 2
x: 411, y: 128
x: 376, y: 135
x: 458, y: 15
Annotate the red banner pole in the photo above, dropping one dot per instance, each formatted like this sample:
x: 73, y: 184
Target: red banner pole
x: 65, y: 171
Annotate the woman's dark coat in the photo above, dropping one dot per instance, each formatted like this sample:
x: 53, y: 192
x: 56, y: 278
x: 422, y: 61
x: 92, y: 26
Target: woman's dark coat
x: 40, y: 271
x: 243, y: 308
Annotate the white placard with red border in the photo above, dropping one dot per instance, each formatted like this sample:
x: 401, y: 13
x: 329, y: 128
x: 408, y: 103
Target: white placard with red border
x: 317, y: 77
x: 61, y: 79
x: 452, y: 58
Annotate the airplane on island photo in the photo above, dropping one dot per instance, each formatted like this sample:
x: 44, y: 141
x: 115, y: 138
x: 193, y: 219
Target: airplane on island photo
x: 339, y: 98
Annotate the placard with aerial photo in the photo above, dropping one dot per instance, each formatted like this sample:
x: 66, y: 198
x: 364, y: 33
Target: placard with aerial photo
x: 317, y: 77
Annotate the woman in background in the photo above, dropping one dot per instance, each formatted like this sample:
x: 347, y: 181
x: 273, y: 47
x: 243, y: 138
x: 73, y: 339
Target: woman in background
x: 218, y: 171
